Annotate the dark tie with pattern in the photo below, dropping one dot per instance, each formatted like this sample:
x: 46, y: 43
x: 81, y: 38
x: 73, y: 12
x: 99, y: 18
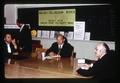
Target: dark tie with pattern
x: 59, y: 49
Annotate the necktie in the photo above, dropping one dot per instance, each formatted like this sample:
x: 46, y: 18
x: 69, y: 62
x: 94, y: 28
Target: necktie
x: 8, y: 47
x: 59, y: 49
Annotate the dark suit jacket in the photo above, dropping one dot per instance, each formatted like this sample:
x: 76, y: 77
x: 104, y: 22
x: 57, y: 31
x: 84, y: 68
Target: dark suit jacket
x: 66, y: 50
x: 5, y: 51
x: 25, y: 39
x: 7, y: 55
x: 104, y: 68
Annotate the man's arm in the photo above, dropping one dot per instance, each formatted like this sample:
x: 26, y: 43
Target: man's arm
x: 70, y: 49
x: 52, y: 49
x: 94, y: 70
x: 14, y: 44
x: 14, y: 47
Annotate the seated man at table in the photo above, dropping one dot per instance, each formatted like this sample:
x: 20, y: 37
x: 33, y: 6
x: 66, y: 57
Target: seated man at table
x: 9, y: 46
x: 104, y: 67
x: 60, y: 48
x: 11, y: 49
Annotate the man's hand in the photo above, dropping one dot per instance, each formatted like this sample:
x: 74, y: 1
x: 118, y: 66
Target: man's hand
x: 86, y: 66
x: 51, y: 54
x: 14, y: 43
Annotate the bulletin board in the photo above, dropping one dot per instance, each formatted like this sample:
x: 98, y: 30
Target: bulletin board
x: 99, y: 20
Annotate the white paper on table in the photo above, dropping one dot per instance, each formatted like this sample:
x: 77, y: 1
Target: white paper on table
x: 39, y: 33
x: 45, y: 34
x: 87, y: 35
x: 81, y: 60
x: 79, y: 30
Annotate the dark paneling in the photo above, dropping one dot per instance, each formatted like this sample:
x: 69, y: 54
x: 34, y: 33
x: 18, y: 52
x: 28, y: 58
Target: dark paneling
x: 99, y: 20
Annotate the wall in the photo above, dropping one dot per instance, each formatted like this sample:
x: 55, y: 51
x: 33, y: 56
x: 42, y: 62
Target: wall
x: 10, y: 10
x: 83, y: 49
x: 10, y: 13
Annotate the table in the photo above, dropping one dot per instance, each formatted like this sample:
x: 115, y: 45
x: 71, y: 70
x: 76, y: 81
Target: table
x: 37, y: 68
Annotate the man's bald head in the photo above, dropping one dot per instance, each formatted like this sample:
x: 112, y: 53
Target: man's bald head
x: 101, y: 49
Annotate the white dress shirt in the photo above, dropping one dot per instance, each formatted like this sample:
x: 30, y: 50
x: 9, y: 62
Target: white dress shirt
x: 60, y: 46
x: 8, y: 48
x: 21, y: 27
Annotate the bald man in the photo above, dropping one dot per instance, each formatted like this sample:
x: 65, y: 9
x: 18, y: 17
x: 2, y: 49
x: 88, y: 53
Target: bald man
x: 61, y: 47
x: 104, y: 67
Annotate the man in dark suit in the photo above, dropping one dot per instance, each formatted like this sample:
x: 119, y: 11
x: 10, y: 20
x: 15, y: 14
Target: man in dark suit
x: 61, y: 47
x: 105, y: 66
x: 25, y: 39
x: 9, y: 46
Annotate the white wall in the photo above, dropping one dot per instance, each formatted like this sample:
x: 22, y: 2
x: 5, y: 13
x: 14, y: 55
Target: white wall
x: 83, y: 49
x: 10, y: 13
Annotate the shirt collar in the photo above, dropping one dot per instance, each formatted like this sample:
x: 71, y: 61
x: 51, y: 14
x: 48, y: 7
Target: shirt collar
x: 61, y: 45
x: 102, y: 55
x: 21, y: 27
x: 7, y: 43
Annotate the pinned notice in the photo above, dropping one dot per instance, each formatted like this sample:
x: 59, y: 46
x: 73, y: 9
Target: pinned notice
x: 79, y: 30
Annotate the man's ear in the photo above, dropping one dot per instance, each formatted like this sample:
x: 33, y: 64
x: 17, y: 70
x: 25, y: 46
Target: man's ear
x: 64, y: 39
x: 102, y: 51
